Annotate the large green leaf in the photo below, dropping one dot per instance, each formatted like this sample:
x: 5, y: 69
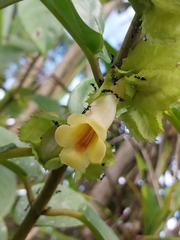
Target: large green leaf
x: 6, y: 3
x: 158, y: 91
x: 42, y: 27
x: 99, y: 227
x: 165, y: 18
x: 7, y: 190
x: 67, y: 198
x: 3, y: 230
x: 75, y: 15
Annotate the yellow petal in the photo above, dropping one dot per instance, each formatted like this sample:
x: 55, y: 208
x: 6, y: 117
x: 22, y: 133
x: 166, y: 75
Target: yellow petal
x: 76, y: 119
x: 63, y: 136
x: 73, y: 159
x: 96, y: 152
x: 103, y: 110
x: 98, y: 128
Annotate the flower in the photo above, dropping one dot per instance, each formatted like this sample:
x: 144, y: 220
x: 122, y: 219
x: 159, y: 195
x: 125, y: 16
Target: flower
x: 83, y: 139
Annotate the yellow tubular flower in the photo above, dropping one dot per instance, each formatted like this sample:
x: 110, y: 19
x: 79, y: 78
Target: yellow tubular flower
x: 83, y: 139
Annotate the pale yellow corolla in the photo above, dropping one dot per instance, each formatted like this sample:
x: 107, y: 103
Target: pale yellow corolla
x: 84, y: 136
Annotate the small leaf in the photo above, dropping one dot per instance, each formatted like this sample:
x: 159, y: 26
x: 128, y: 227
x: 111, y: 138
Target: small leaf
x: 37, y: 125
x: 6, y: 3
x: 100, y: 229
x: 141, y: 165
x: 173, y: 115
x: 78, y: 97
x: 142, y: 125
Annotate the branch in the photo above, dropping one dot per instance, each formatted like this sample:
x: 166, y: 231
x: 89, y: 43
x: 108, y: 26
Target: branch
x: 39, y: 205
x: 131, y: 39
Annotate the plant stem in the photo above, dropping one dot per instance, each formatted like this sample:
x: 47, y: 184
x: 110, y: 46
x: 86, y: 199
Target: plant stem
x: 27, y: 185
x: 40, y: 204
x: 131, y: 39
x: 16, y: 152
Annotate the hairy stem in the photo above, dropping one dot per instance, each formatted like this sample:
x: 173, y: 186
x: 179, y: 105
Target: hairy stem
x: 40, y: 204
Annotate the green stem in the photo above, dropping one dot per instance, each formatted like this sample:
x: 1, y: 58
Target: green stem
x: 16, y: 152
x: 77, y: 215
x: 40, y: 204
x: 27, y: 185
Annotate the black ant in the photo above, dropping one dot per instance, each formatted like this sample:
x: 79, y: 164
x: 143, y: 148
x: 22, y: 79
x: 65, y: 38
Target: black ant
x: 112, y: 58
x: 100, y: 81
x: 140, y: 78
x: 55, y: 123
x: 86, y: 109
x: 107, y: 91
x: 115, y: 94
x: 39, y: 189
x: 94, y: 86
x: 102, y: 164
x: 57, y: 191
x: 102, y: 176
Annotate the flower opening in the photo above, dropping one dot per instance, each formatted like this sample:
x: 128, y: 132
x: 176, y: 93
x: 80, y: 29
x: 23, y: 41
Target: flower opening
x: 87, y: 136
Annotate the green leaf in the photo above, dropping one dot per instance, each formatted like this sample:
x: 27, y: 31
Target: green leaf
x: 153, y: 56
x: 158, y: 91
x: 158, y: 238
x: 34, y: 128
x: 164, y: 26
x: 141, y: 165
x: 7, y: 189
x: 78, y: 97
x: 42, y: 27
x: 47, y: 104
x: 19, y: 38
x: 29, y: 165
x: 142, y: 125
x: 3, y: 230
x: 98, y: 226
x: 6, y: 3
x: 7, y: 147
x: 173, y: 115
x: 69, y: 12
x: 67, y: 198
x: 151, y: 208
x: 140, y: 6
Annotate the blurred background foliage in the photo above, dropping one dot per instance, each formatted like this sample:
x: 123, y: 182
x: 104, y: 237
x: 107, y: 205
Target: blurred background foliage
x: 40, y: 65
